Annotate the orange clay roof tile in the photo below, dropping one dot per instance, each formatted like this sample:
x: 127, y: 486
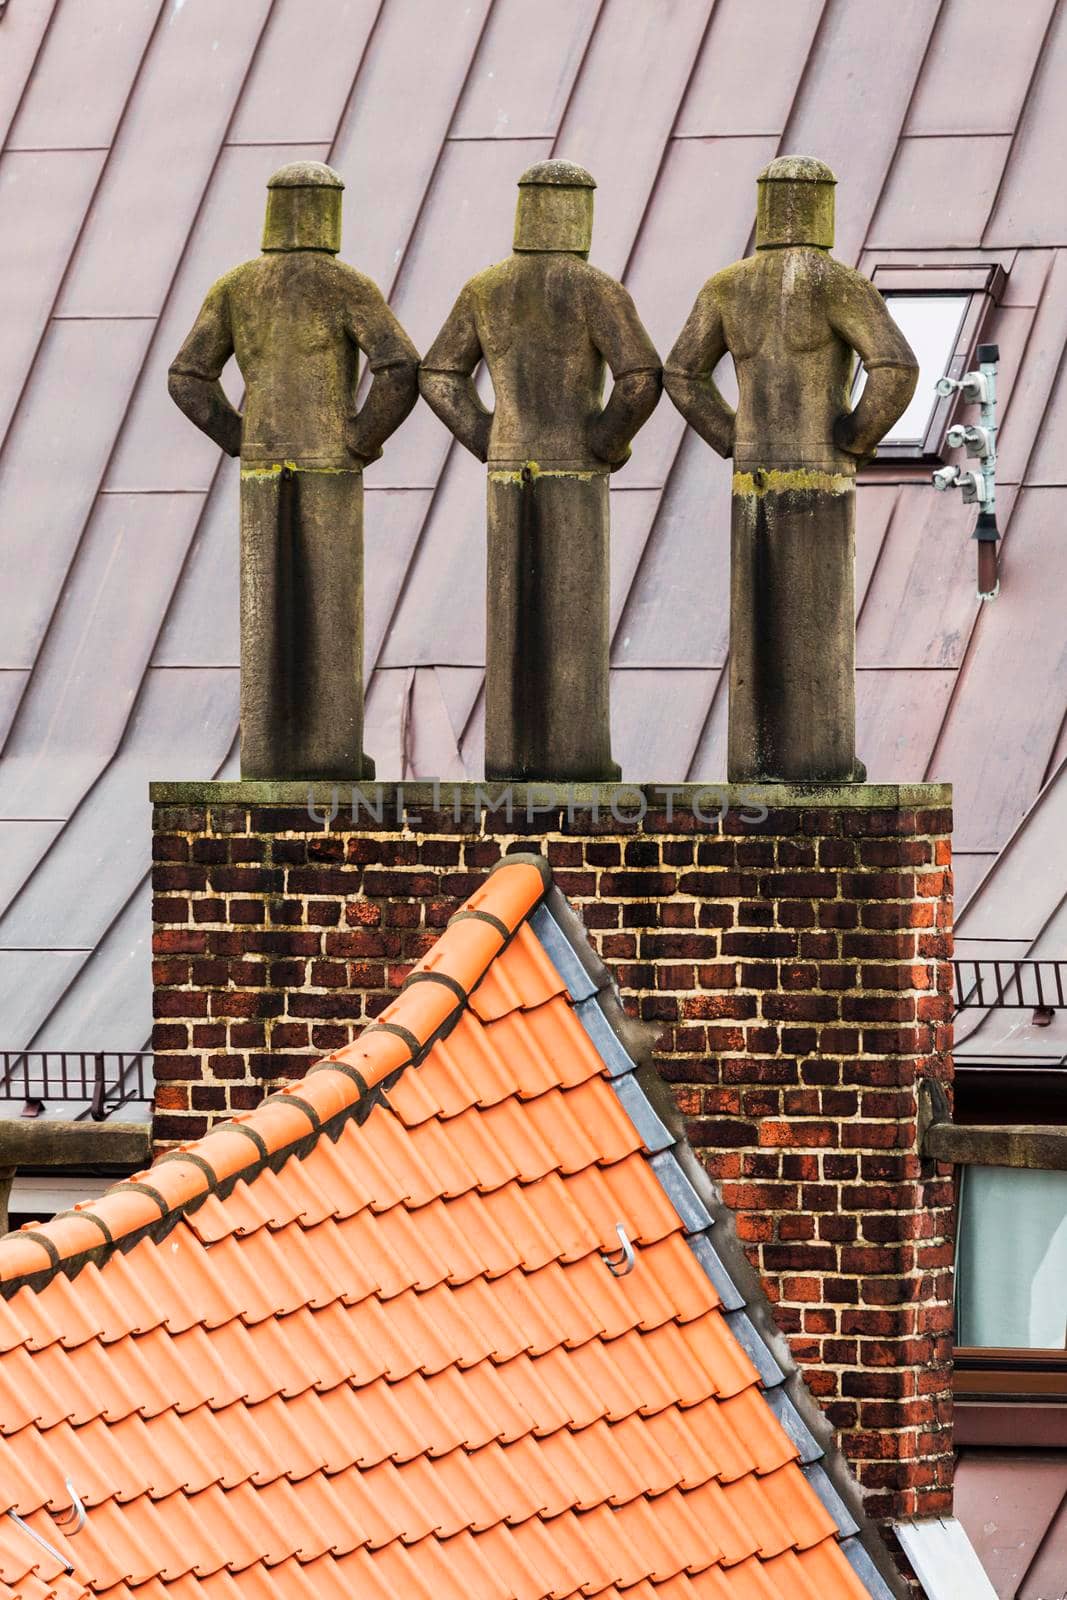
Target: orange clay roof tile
x: 350, y: 1345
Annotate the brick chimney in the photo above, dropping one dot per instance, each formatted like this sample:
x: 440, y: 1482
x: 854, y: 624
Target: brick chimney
x: 795, y: 949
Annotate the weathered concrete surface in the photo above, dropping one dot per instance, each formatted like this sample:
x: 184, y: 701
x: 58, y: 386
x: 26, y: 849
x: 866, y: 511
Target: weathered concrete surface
x: 792, y: 317
x: 38, y: 1142
x: 627, y: 797
x: 548, y: 326
x: 297, y: 320
x: 55, y: 1145
x: 1041, y: 1148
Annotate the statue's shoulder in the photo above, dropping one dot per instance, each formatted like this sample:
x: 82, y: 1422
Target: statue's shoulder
x: 596, y: 281
x: 491, y: 277
x: 837, y: 278
x: 482, y: 290
x: 237, y: 277
x: 346, y: 277
x: 730, y: 281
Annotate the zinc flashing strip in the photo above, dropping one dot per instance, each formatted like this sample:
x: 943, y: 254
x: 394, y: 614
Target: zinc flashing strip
x: 685, y: 1182
x: 822, y: 1483
x: 865, y: 1570
x: 680, y: 1192
x: 745, y: 1332
x: 794, y: 1425
x: 562, y: 954
x: 605, y: 1041
x: 638, y: 1108
x: 715, y: 1268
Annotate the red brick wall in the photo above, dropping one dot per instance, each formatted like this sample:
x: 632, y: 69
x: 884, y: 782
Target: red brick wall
x: 799, y: 968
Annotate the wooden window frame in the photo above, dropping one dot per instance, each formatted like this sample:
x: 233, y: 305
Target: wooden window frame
x: 983, y: 284
x: 988, y: 1373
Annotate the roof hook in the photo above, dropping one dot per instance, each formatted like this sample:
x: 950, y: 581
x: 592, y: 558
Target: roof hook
x: 61, y: 1560
x: 76, y: 1514
x: 621, y: 1261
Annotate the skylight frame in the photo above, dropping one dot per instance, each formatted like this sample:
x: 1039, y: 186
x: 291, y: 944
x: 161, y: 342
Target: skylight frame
x: 981, y: 285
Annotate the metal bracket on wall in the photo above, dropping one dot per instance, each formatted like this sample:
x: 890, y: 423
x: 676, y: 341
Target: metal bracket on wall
x: 979, y: 485
x: 933, y: 1108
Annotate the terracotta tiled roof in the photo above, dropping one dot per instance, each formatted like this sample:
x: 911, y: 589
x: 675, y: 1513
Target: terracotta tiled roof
x: 366, y: 1340
x: 115, y: 669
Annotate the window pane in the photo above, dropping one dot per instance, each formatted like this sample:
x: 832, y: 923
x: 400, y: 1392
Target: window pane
x: 930, y: 323
x: 1011, y: 1276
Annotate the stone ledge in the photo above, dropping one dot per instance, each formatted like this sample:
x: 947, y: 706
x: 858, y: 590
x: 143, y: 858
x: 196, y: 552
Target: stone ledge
x: 1042, y: 1149
x: 31, y: 1142
x: 543, y: 797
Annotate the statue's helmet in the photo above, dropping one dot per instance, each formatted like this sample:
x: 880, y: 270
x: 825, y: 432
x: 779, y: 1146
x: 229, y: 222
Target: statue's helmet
x: 795, y: 203
x: 304, y: 208
x: 555, y: 209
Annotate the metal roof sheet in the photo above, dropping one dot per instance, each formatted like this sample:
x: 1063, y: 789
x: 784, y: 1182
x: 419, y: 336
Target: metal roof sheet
x: 430, y: 113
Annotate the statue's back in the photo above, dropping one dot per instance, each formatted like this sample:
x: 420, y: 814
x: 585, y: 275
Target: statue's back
x: 547, y: 374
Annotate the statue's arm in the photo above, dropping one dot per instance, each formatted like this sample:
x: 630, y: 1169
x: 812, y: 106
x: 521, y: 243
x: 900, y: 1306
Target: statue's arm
x: 636, y: 370
x: 446, y: 378
x: 193, y: 379
x: 687, y: 376
x: 860, y: 316
x: 394, y: 365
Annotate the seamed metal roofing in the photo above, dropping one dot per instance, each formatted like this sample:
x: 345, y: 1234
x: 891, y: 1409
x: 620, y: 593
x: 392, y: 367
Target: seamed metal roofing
x: 449, y: 1319
x: 136, y: 140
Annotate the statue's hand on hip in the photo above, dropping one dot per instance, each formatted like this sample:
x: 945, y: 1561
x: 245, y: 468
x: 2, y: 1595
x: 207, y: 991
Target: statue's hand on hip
x: 845, y: 439
x: 609, y: 448
x: 358, y: 457
x: 231, y: 434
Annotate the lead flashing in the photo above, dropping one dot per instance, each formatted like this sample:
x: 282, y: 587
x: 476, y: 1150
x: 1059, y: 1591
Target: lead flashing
x: 562, y: 954
x: 795, y: 1426
x: 822, y: 1483
x: 638, y: 1108
x: 715, y: 1268
x: 680, y: 1192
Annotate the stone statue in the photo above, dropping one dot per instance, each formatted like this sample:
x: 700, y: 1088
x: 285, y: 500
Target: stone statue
x: 297, y: 319
x: 791, y: 318
x: 546, y: 324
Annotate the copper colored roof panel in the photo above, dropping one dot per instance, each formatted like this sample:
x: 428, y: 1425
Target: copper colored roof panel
x: 104, y: 626
x: 719, y: 99
x: 1009, y: 1502
x: 920, y: 602
x: 1008, y: 730
x: 53, y: 474
x: 191, y: 78
x: 201, y: 627
x: 374, y: 1337
x: 1032, y: 207
x: 1020, y: 895
x: 25, y: 28
x: 406, y: 63
x: 1024, y: 421
x: 898, y: 717
x: 944, y: 100
x: 524, y: 72
x: 83, y: 75
x: 651, y: 747
x: 303, y: 72
x: 43, y: 199
x: 924, y: 202
x: 1048, y: 463
x: 668, y: 619
x: 430, y: 112
x: 622, y: 111
x: 851, y: 119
